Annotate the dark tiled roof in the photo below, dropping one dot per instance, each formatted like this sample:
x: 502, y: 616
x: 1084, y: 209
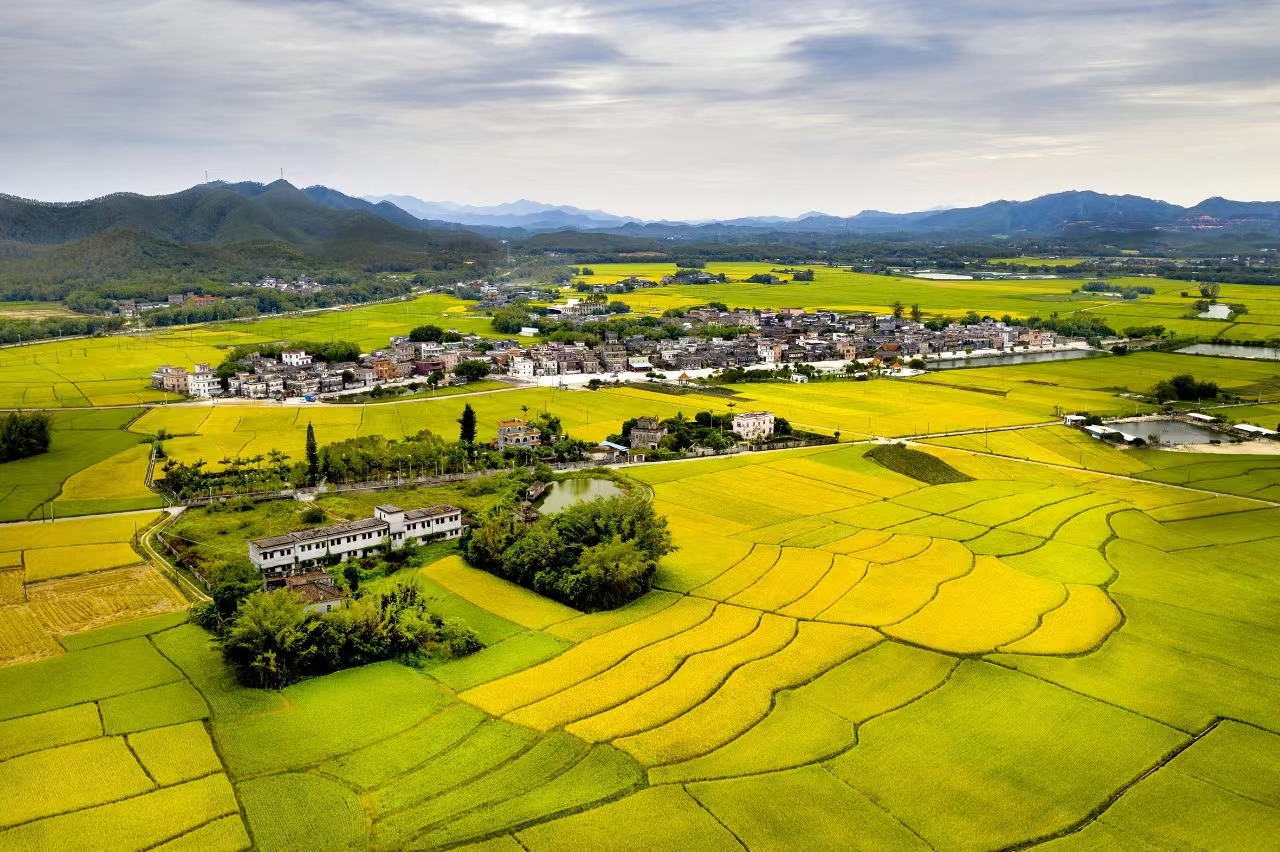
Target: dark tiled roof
x: 430, y: 512
x: 343, y: 528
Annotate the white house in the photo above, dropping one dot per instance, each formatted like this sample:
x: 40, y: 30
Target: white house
x: 1254, y: 431
x: 202, y: 382
x: 282, y: 556
x: 753, y: 425
x: 295, y: 358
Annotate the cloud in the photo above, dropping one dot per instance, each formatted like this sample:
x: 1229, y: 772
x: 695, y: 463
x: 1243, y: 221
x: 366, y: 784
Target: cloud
x: 862, y: 55
x: 661, y: 109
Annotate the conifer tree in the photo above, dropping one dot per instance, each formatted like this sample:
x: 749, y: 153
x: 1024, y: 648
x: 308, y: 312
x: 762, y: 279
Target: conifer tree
x: 313, y: 457
x: 467, y: 434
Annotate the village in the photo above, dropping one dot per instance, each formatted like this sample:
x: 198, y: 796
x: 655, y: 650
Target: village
x: 800, y: 342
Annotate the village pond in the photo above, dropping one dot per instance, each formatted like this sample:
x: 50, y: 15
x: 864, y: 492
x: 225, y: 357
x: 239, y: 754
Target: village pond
x: 1171, y: 432
x: 1232, y: 350
x: 563, y: 494
x: 1012, y: 358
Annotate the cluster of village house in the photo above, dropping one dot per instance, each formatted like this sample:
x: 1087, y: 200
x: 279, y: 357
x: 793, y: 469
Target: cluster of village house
x: 296, y: 373
x: 130, y: 308
x: 785, y: 337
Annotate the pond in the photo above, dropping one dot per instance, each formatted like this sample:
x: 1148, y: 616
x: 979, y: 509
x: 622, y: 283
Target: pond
x: 1216, y: 312
x: 1170, y: 431
x: 1230, y: 350
x: 561, y: 495
x: 1012, y: 358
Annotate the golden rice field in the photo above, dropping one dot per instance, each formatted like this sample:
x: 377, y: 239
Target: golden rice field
x: 837, y: 656
x: 117, y: 370
x: 50, y: 590
x: 855, y: 409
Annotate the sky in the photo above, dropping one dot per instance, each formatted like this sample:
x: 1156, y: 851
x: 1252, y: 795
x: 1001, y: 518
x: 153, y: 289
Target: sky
x: 676, y: 109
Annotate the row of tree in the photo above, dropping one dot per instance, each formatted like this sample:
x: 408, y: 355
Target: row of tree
x: 15, y: 330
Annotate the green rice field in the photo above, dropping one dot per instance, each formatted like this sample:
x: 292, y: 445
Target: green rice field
x: 841, y: 289
x: 837, y: 656
x: 117, y: 370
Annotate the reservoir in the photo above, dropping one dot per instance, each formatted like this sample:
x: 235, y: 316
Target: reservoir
x: 1217, y: 312
x: 1231, y: 350
x: 1012, y: 358
x: 561, y: 495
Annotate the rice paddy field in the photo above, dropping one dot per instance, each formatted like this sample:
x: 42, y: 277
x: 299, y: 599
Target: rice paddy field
x: 116, y: 370
x: 61, y: 578
x: 93, y: 465
x: 841, y: 289
x: 837, y: 656
x: 892, y: 408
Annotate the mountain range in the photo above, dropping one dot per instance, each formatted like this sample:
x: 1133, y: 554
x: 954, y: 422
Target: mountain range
x: 247, y: 224
x: 1056, y: 214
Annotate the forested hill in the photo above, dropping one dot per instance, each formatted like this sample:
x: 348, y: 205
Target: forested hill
x: 219, y: 232
x: 220, y: 214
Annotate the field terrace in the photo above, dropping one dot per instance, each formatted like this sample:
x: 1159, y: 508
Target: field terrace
x: 1039, y: 655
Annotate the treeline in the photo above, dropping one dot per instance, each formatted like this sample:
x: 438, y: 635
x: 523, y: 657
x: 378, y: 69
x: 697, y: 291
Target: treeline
x: 272, y: 640
x: 329, y: 351
x: 269, y: 301
x: 24, y: 434
x: 14, y: 330
x: 595, y: 555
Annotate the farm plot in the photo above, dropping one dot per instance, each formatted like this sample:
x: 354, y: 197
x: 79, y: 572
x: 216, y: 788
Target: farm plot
x: 81, y: 442
x: 902, y: 686
x: 64, y: 590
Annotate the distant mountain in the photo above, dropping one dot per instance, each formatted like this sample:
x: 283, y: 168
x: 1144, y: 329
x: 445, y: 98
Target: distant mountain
x: 1061, y: 213
x: 531, y: 215
x: 223, y: 213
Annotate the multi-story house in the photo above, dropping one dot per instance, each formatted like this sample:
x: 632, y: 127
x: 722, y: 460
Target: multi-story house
x: 516, y: 433
x: 280, y: 557
x: 203, y: 382
x: 753, y: 425
x: 169, y: 378
x: 647, y: 433
x: 295, y: 358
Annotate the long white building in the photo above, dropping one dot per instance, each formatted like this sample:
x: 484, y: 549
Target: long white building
x: 282, y: 556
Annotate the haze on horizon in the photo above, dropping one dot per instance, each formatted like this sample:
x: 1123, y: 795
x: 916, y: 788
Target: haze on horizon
x: 669, y: 109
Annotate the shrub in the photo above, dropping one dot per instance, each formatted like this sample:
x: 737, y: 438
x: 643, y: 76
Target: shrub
x: 921, y: 467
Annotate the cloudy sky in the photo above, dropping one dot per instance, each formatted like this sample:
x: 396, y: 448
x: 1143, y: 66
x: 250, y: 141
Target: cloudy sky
x: 653, y: 108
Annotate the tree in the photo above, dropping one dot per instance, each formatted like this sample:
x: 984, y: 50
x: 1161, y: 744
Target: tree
x: 916, y: 313
x: 467, y: 422
x: 426, y: 334
x: 435, y: 379
x: 23, y: 435
x: 313, y: 456
x: 471, y: 371
x: 267, y: 642
x: 509, y: 320
x: 898, y: 309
